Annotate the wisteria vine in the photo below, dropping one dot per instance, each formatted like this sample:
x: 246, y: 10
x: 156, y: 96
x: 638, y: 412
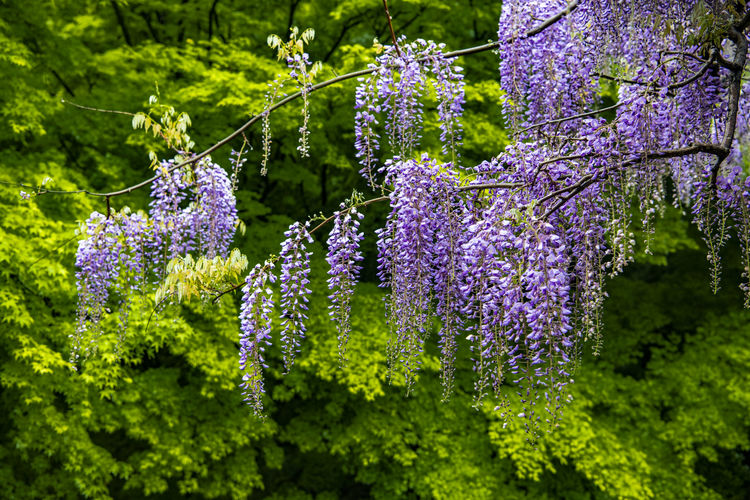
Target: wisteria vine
x: 511, y: 254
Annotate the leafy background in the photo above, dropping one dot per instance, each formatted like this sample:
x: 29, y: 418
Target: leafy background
x: 662, y: 413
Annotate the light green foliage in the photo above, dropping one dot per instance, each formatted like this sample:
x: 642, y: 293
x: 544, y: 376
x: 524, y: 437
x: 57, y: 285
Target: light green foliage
x: 662, y: 413
x: 187, y: 277
x: 171, y: 126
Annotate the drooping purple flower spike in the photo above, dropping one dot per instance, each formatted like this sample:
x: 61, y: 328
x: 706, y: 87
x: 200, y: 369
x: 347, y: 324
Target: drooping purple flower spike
x: 394, y: 92
x: 214, y: 210
x: 97, y: 261
x: 255, y: 333
x: 295, y: 269
x: 343, y: 257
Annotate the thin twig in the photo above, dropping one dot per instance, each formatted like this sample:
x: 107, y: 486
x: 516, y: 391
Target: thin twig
x: 735, y: 88
x: 363, y: 204
x: 117, y: 112
x: 390, y: 26
x: 46, y: 254
x: 573, y: 117
x: 490, y: 185
x: 99, y: 110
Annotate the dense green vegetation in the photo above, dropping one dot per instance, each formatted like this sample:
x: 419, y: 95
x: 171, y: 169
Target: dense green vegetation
x: 662, y: 413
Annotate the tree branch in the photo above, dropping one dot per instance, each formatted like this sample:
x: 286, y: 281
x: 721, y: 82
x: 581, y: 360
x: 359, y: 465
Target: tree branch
x: 292, y: 9
x: 62, y: 82
x: 735, y: 88
x: 390, y: 26
x: 573, y: 117
x: 349, y: 24
x: 194, y: 158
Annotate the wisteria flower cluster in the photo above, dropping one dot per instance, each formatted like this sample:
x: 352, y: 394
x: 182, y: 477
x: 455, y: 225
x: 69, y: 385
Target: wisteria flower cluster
x: 343, y: 256
x: 295, y: 270
x: 255, y: 328
x: 513, y: 254
x: 394, y: 90
x: 191, y: 210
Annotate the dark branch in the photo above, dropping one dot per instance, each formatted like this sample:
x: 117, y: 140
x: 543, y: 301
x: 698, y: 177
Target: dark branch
x: 390, y: 26
x: 735, y: 88
x: 292, y: 10
x: 673, y: 86
x: 194, y: 158
x: 573, y: 117
x: 633, y: 158
x: 62, y: 82
x: 349, y: 24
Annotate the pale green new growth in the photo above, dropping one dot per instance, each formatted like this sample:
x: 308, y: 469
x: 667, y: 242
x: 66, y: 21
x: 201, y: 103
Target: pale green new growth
x: 187, y: 277
x: 171, y: 126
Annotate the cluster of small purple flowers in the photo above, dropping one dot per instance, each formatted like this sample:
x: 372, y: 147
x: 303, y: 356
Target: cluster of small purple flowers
x: 258, y: 305
x: 504, y: 275
x: 394, y: 90
x: 406, y: 255
x: 530, y: 66
x: 580, y: 175
x: 343, y: 257
x: 190, y: 210
x: 111, y: 259
x: 97, y: 259
x: 255, y: 332
x: 214, y: 210
x: 295, y: 269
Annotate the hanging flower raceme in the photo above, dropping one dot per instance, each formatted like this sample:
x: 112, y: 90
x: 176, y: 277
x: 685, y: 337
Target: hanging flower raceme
x: 193, y: 209
x: 169, y: 192
x: 408, y: 254
x: 255, y: 332
x: 97, y: 260
x: 295, y: 270
x: 394, y: 91
x: 214, y: 211
x: 447, y: 257
x: 343, y: 257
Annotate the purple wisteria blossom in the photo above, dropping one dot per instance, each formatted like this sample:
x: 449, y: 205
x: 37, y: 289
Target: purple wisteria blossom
x: 343, y: 257
x: 172, y: 231
x: 97, y: 261
x: 407, y: 256
x: 214, y: 211
x: 123, y: 253
x: 193, y: 210
x: 295, y: 271
x: 394, y: 91
x: 255, y: 333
